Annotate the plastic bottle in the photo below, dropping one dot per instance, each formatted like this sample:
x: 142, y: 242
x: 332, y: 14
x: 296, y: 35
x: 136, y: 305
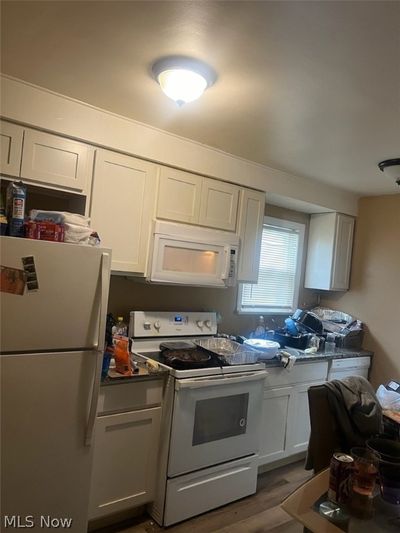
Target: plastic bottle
x: 120, y: 328
x: 330, y: 344
x: 122, y: 358
x: 259, y: 332
x: 313, y: 342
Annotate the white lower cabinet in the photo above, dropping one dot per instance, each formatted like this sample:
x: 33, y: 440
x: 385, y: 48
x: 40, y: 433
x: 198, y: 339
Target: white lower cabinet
x: 285, y: 426
x: 298, y: 427
x: 125, y: 461
x: 274, y: 422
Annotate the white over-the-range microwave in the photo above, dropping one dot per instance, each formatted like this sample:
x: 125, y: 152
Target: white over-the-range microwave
x: 189, y: 255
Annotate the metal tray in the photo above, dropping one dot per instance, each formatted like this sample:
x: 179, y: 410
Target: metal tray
x: 230, y: 352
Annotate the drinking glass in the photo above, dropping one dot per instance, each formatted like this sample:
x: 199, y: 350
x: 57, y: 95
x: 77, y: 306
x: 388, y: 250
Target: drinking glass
x: 365, y: 471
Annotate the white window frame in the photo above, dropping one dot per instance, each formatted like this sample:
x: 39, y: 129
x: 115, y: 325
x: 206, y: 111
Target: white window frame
x: 273, y: 221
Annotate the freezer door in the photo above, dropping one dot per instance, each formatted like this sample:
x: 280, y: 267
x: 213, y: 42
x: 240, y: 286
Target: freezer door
x: 63, y: 314
x: 45, y: 464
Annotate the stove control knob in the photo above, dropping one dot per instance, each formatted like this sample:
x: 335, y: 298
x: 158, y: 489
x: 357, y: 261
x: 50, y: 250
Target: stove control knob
x: 146, y: 325
x: 157, y: 325
x: 200, y: 324
x: 207, y: 324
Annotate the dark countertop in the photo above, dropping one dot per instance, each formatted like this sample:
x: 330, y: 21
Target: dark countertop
x: 341, y: 353
x: 114, y: 378
x: 143, y: 374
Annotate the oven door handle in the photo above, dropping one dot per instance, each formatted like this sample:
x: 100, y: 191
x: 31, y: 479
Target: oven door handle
x: 228, y: 379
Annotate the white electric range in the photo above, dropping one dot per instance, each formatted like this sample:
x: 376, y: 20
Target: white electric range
x: 211, y: 420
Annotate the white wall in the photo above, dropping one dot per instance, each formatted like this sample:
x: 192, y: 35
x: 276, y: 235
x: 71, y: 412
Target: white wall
x: 35, y: 106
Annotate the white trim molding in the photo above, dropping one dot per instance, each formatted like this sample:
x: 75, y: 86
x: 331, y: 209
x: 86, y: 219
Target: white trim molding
x: 37, y: 107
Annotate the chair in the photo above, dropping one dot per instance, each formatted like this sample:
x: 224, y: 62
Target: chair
x: 324, y: 437
x: 343, y: 414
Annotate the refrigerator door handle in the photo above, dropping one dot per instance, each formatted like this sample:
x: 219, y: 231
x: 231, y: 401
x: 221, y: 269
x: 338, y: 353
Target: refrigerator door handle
x: 104, y: 287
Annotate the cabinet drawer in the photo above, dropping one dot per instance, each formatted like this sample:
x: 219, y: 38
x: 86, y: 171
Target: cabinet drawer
x: 300, y: 373
x: 130, y: 396
x: 187, y: 495
x: 351, y: 362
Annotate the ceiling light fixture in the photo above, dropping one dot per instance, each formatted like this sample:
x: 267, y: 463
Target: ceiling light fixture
x: 183, y: 79
x: 391, y: 168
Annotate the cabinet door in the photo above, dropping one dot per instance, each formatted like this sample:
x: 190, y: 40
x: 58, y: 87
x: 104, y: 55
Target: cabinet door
x: 179, y: 195
x: 125, y: 460
x: 11, y: 148
x: 299, y: 419
x: 250, y: 226
x: 122, y: 208
x: 218, y: 206
x: 342, y: 252
x: 274, y: 424
x: 56, y: 161
x: 330, y: 242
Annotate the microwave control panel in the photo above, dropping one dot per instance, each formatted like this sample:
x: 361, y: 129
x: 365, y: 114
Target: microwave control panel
x: 169, y: 323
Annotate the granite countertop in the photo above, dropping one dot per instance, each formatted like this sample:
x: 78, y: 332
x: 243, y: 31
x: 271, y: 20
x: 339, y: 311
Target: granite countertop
x: 143, y: 374
x: 114, y: 378
x: 340, y: 353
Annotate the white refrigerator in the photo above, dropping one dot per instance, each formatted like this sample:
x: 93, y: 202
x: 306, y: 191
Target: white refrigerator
x: 52, y: 342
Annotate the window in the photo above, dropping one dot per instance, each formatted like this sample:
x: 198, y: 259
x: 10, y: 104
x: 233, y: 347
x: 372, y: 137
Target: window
x: 277, y: 290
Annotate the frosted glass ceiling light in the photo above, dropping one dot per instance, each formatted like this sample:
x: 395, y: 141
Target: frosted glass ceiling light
x: 391, y: 167
x: 183, y: 79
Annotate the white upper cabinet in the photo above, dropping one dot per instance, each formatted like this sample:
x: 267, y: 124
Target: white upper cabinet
x: 219, y: 203
x: 330, y: 243
x: 343, y: 250
x: 186, y: 197
x: 122, y: 208
x: 250, y: 226
x: 179, y: 195
x: 11, y: 148
x: 52, y: 160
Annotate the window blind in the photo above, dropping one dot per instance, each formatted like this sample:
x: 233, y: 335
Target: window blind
x: 278, y: 274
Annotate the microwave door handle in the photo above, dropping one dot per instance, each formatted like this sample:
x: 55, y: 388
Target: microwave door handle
x: 227, y: 264
x: 227, y: 380
x: 98, y: 352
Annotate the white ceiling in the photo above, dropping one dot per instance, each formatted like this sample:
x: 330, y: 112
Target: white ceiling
x: 312, y: 88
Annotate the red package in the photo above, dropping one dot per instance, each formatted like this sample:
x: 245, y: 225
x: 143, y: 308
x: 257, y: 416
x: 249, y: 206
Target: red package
x: 121, y: 355
x: 45, y: 231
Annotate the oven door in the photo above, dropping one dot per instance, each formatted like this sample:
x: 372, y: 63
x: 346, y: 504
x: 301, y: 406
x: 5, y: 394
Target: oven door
x: 184, y: 262
x: 215, y: 419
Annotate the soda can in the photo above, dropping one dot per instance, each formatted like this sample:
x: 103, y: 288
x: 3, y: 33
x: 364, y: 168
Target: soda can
x: 340, y: 477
